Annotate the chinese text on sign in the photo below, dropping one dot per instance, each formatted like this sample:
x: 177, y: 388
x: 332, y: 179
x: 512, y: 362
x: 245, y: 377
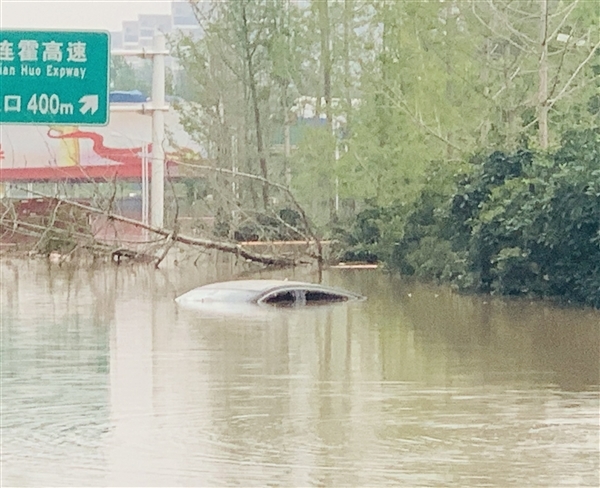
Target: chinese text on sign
x: 54, y: 77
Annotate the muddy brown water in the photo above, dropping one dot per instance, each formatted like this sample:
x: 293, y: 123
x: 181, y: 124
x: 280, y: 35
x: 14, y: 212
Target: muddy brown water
x: 107, y: 382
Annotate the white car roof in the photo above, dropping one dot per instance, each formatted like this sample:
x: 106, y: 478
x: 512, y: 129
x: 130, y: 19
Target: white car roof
x: 250, y: 290
x: 258, y: 286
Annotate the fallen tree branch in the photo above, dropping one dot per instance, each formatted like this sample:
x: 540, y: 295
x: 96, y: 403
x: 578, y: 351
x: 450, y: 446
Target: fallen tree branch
x: 228, y: 247
x: 48, y: 227
x: 283, y: 188
x: 171, y: 239
x: 28, y: 229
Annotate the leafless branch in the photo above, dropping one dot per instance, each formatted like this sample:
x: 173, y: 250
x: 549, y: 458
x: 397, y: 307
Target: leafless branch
x: 558, y: 70
x: 509, y: 26
x: 285, y: 189
x: 170, y: 242
x: 511, y: 77
x: 569, y: 9
x: 228, y: 247
x: 574, y: 75
x: 402, y: 105
x: 572, y: 90
x: 48, y: 227
x: 493, y: 31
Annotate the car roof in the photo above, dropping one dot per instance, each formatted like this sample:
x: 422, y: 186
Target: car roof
x: 260, y: 287
x: 238, y: 292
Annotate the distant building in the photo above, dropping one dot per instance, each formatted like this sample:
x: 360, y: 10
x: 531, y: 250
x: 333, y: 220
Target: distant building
x: 131, y: 34
x: 116, y: 40
x: 184, y: 19
x: 140, y: 33
x: 149, y: 24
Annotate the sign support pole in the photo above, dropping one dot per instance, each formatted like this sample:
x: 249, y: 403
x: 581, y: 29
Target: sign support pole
x: 157, y: 193
x: 158, y: 107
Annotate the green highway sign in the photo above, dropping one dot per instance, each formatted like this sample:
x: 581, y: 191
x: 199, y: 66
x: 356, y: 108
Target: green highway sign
x: 54, y: 77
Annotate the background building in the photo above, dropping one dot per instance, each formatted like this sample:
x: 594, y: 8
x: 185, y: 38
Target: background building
x: 139, y: 33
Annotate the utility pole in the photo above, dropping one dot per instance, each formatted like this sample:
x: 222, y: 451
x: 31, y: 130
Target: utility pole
x: 157, y: 107
x: 157, y: 192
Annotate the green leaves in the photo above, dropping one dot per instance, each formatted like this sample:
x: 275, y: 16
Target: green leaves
x: 524, y: 223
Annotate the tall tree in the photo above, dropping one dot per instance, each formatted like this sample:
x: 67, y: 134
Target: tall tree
x: 324, y: 31
x: 250, y: 47
x: 549, y: 40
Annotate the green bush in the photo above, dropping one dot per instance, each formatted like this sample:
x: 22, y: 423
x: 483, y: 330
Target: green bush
x: 521, y: 223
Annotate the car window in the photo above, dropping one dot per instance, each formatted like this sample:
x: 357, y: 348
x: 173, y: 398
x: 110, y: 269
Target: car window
x: 286, y: 298
x: 319, y: 296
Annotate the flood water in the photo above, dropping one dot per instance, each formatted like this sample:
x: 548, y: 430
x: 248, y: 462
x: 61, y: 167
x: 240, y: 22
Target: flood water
x: 105, y: 381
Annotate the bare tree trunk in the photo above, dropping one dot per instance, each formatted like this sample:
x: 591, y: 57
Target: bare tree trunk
x: 485, y: 76
x: 348, y: 12
x: 287, y: 143
x: 543, y: 107
x: 323, y: 7
x: 323, y: 16
x: 287, y: 119
x: 257, y: 119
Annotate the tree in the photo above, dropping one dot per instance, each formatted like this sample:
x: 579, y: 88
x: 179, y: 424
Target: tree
x: 123, y: 76
x: 544, y: 39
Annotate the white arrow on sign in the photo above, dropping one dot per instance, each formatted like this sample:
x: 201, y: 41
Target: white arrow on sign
x: 90, y: 104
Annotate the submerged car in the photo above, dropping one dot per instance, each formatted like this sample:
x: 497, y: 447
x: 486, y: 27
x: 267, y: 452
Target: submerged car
x: 265, y: 292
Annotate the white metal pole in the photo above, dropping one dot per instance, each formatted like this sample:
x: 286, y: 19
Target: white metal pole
x: 158, y: 132
x: 145, y: 192
x: 334, y: 126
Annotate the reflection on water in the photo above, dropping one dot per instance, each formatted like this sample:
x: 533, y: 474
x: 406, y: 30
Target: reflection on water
x: 105, y: 381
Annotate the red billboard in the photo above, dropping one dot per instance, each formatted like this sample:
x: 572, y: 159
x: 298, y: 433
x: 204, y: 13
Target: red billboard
x: 53, y: 153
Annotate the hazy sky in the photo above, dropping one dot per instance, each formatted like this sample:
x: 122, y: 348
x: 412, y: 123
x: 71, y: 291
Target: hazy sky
x: 76, y: 14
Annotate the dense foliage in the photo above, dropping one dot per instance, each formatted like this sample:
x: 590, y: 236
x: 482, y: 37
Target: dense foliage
x: 521, y: 223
